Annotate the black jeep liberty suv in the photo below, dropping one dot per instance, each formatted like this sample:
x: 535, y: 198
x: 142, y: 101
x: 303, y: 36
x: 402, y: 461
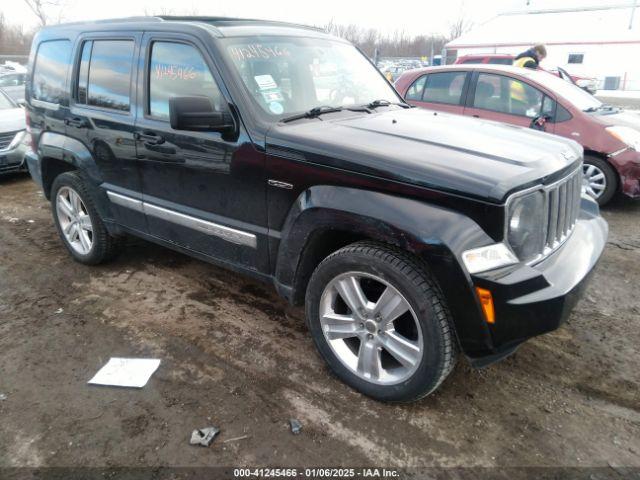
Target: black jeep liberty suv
x: 280, y: 151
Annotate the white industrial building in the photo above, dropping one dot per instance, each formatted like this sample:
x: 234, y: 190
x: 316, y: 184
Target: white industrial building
x: 602, y: 42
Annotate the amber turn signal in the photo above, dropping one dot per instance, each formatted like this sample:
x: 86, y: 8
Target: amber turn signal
x: 486, y: 300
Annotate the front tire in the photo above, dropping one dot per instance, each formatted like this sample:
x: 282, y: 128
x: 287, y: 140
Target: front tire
x: 78, y: 222
x: 380, y: 322
x: 599, y: 179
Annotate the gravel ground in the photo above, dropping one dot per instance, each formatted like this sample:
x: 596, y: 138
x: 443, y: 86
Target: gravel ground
x: 236, y: 356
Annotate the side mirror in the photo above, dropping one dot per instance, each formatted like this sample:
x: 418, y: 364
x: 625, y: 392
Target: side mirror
x: 198, y: 114
x: 540, y: 122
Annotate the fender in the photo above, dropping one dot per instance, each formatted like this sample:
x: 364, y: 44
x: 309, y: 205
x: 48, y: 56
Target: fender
x: 74, y: 153
x: 434, y: 234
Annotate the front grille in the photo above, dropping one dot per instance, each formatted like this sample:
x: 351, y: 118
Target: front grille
x: 6, y: 139
x: 563, y: 201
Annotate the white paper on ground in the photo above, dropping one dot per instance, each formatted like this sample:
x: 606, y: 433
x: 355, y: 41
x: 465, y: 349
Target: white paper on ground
x: 126, y: 372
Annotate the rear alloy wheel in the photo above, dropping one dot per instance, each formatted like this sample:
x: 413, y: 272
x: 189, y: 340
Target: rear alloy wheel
x: 380, y: 322
x: 599, y: 180
x: 74, y: 219
x: 78, y: 222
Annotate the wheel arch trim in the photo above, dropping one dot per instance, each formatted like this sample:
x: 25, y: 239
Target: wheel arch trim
x: 435, y: 235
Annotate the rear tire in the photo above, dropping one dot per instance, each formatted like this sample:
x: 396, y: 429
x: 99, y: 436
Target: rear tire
x: 600, y: 179
x: 394, y: 342
x: 78, y: 223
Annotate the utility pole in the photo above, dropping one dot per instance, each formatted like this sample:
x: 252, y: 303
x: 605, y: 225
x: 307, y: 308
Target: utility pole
x: 633, y: 12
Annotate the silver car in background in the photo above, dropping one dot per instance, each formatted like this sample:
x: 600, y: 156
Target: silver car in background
x: 13, y: 135
x: 12, y: 83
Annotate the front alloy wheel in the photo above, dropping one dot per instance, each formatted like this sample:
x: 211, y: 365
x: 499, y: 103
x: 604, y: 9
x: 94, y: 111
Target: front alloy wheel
x: 594, y: 180
x: 379, y: 340
x: 599, y: 180
x: 380, y: 322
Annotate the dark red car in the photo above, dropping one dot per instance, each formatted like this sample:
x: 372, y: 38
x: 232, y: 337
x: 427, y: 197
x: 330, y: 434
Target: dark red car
x: 533, y: 98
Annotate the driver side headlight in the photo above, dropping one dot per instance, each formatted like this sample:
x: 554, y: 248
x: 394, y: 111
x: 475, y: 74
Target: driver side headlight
x: 525, y: 225
x: 627, y: 135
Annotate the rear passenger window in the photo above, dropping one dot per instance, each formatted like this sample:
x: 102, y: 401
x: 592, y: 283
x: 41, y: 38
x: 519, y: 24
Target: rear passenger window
x: 415, y: 91
x: 444, y: 87
x: 507, y: 95
x: 104, y: 76
x: 50, y: 71
x: 176, y: 70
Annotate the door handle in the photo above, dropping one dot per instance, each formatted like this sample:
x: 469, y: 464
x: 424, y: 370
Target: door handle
x: 149, y: 138
x: 74, y: 122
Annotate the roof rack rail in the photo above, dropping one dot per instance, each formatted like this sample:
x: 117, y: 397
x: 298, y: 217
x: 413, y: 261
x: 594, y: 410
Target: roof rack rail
x: 227, y: 20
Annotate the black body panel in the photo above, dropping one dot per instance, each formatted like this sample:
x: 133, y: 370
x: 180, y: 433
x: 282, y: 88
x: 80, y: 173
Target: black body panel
x: 433, y: 184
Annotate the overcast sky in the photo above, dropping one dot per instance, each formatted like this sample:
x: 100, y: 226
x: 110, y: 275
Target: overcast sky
x: 414, y: 17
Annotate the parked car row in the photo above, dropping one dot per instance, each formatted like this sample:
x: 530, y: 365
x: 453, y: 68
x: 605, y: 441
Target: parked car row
x: 276, y: 150
x: 532, y: 98
x: 392, y: 69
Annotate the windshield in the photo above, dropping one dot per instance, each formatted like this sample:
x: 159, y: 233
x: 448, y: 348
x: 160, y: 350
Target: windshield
x: 5, y: 103
x: 289, y: 75
x: 575, y: 95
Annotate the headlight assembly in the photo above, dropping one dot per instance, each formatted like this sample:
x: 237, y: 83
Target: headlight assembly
x: 627, y: 135
x: 525, y: 227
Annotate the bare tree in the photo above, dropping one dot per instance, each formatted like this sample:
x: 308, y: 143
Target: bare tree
x: 459, y: 27
x: 14, y: 40
x: 397, y: 44
x: 42, y: 9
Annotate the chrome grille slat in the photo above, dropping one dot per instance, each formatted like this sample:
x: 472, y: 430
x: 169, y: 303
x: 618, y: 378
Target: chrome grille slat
x: 553, y: 217
x: 563, y: 207
x: 561, y: 211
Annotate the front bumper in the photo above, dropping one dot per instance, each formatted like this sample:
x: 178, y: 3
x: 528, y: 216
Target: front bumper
x: 532, y: 300
x: 628, y: 165
x: 13, y: 160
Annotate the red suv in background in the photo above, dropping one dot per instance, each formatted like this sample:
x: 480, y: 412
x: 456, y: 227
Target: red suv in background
x: 590, y: 84
x: 489, y: 58
x: 533, y: 98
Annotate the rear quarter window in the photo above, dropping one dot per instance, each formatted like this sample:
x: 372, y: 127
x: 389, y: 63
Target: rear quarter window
x: 414, y: 92
x: 50, y: 71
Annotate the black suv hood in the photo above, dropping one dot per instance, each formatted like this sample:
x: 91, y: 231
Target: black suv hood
x: 436, y: 150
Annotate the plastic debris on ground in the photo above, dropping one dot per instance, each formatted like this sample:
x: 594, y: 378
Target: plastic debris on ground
x: 296, y: 426
x: 126, y: 372
x: 204, y: 436
x: 235, y: 439
x: 3, y: 396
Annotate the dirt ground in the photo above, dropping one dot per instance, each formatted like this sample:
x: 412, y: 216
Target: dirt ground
x: 236, y: 356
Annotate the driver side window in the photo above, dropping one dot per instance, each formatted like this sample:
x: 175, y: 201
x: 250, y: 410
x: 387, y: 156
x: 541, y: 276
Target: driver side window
x: 175, y: 70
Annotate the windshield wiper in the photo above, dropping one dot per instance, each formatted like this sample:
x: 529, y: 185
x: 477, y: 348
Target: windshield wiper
x: 609, y: 108
x: 312, y: 113
x: 386, y: 103
x: 317, y: 111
